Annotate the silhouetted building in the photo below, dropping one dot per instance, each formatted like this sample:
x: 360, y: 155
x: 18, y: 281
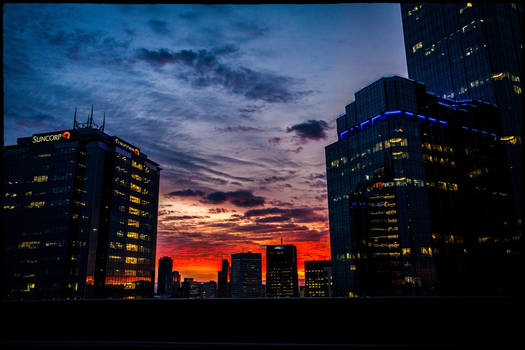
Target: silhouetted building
x: 281, y: 271
x: 208, y: 290
x: 318, y: 278
x: 465, y: 51
x: 190, y: 288
x: 246, y: 275
x: 79, y: 216
x: 165, y: 278
x: 223, y: 288
x: 176, y: 292
x: 418, y: 195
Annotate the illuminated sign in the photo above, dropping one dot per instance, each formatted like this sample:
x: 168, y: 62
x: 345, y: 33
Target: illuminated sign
x: 66, y: 135
x: 127, y: 146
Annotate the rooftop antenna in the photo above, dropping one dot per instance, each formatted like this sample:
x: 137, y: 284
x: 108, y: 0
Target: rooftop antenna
x: 91, y: 118
x: 103, y: 122
x: 75, y: 119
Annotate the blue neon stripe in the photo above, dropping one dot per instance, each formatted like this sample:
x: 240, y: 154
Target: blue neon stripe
x: 421, y: 117
x: 443, y: 122
x: 432, y: 120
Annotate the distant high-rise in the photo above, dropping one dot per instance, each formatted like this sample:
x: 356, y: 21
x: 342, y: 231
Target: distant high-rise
x: 208, y: 290
x: 418, y: 195
x: 176, y: 292
x: 246, y: 275
x: 165, y: 278
x: 223, y: 289
x: 281, y: 271
x: 472, y: 50
x: 318, y: 278
x: 79, y: 217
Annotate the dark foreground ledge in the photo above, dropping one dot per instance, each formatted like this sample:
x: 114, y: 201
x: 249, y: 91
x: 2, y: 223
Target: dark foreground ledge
x: 405, y: 322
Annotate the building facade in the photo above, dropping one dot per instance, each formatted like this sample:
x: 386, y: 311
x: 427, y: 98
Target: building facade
x: 92, y: 202
x: 465, y: 51
x: 281, y: 271
x: 165, y: 277
x: 223, y: 287
x: 246, y: 275
x: 318, y: 278
x: 419, y: 197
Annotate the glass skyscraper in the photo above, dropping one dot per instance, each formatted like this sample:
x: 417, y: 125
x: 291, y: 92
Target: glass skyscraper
x: 79, y: 216
x: 465, y: 51
x: 419, y: 197
x: 281, y: 271
x: 246, y: 275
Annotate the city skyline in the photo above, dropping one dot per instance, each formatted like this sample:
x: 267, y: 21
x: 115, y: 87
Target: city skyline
x: 236, y: 103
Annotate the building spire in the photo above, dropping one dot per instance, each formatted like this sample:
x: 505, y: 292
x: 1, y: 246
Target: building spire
x: 103, y: 122
x: 75, y: 119
x: 91, y: 118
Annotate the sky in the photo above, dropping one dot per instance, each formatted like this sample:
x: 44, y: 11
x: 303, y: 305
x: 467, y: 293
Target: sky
x: 235, y: 102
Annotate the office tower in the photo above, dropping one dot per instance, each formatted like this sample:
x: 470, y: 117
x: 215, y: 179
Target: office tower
x: 176, y: 292
x: 281, y: 271
x: 80, y: 216
x: 418, y: 195
x: 165, y: 278
x: 223, y: 288
x: 190, y: 288
x: 465, y: 51
x: 318, y: 278
x: 208, y: 290
x: 246, y: 275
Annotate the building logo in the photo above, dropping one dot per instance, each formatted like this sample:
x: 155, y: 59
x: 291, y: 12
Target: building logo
x: 127, y: 146
x: 66, y: 135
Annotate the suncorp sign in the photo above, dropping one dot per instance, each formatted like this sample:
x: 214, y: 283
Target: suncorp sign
x: 52, y: 137
x: 127, y: 146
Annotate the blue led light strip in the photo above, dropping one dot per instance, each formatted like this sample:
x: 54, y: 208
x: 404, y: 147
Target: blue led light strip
x: 388, y: 114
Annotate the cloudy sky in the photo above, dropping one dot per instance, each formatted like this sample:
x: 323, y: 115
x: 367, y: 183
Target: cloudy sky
x: 235, y: 102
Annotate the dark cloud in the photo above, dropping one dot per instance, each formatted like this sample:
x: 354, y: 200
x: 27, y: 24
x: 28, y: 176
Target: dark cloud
x: 272, y: 219
x: 160, y: 27
x: 310, y: 130
x: 186, y: 193
x: 241, y: 198
x: 217, y: 210
x: 274, y: 141
x: 183, y: 217
x: 206, y: 70
x: 239, y: 129
x: 274, y: 179
x: 301, y: 215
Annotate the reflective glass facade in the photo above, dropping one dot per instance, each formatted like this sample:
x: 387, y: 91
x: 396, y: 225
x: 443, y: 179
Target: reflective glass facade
x: 281, y: 271
x: 465, y: 51
x: 79, y: 217
x: 246, y: 275
x: 419, y: 197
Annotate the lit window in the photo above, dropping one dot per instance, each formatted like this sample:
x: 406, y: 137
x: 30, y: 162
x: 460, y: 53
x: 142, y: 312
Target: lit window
x: 137, y: 165
x: 136, y: 177
x: 131, y: 260
x: 130, y: 273
x: 39, y: 204
x: 29, y: 245
x: 40, y: 178
x: 132, y: 247
x: 135, y: 187
x: 134, y: 211
x: 134, y: 199
x: 133, y: 235
x: 115, y: 258
x: 417, y: 46
x: 133, y: 223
